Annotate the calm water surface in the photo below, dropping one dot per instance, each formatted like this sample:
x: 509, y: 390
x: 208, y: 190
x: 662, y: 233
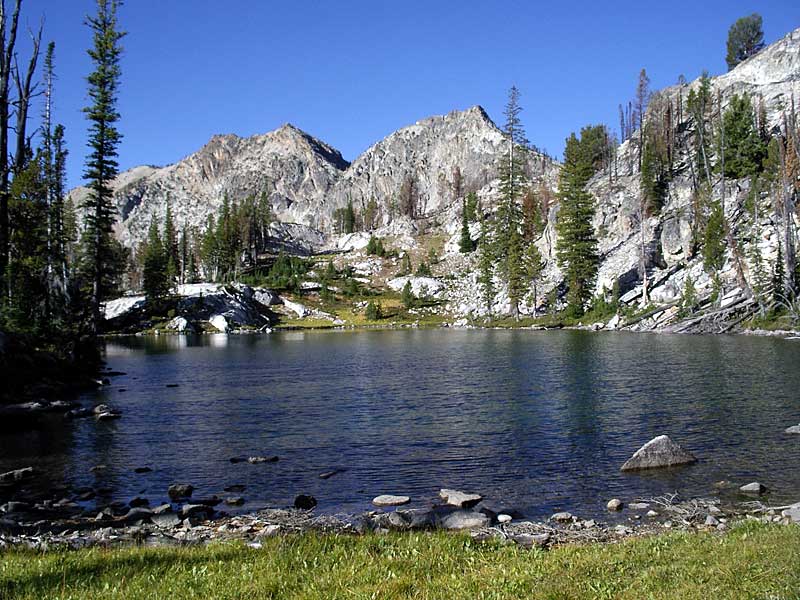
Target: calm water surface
x: 538, y: 421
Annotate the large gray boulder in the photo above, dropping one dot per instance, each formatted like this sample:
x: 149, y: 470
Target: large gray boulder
x: 792, y: 513
x: 17, y: 475
x: 659, y: 452
x: 464, y: 519
x: 459, y: 499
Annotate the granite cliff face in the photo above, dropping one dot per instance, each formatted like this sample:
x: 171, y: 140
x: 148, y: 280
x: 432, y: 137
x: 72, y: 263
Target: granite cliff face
x: 307, y: 180
x: 771, y: 77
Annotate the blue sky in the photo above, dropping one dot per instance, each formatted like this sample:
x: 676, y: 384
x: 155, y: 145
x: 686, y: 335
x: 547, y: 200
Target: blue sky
x: 352, y: 72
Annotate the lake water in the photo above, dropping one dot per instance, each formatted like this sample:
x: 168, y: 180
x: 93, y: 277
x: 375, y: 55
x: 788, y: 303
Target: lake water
x: 538, y: 421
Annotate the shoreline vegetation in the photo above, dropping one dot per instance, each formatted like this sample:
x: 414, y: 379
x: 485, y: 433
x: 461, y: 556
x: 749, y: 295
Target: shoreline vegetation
x: 752, y: 560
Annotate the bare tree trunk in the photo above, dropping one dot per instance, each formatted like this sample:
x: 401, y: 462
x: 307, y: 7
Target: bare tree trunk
x: 25, y: 89
x: 6, y: 57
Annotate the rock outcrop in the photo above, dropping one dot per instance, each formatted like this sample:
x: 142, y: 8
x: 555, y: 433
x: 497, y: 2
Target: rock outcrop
x: 659, y: 452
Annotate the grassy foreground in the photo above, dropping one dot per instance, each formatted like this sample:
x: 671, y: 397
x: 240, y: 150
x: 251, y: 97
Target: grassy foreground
x: 753, y: 561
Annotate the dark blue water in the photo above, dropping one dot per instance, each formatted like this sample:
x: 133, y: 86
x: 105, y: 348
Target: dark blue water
x: 535, y: 420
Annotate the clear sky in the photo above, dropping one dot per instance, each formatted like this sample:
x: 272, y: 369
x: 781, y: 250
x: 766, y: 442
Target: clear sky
x: 352, y: 72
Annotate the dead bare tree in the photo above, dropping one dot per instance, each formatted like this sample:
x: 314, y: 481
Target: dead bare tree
x: 25, y: 91
x: 8, y: 39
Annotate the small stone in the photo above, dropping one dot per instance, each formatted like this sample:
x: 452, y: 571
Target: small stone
x: 180, y: 490
x: 711, y: 521
x: 503, y: 518
x: 141, y: 470
x: 256, y: 460
x: 269, y: 531
x: 589, y: 524
x: 162, y: 508
x: 532, y: 540
x: 396, y: 520
x: 166, y: 520
x: 305, y: 502
x: 623, y: 530
x: 562, y: 517
x: 614, y: 504
x: 138, y: 514
x: 459, y: 499
x: 234, y: 501
x: 390, y: 500
x: 668, y: 524
x: 638, y: 505
x: 792, y: 429
x: 753, y: 488
x: 98, y: 468
x: 108, y: 416
x: 195, y: 510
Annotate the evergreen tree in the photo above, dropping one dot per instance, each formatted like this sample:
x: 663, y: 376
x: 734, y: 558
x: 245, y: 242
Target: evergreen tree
x: 745, y: 39
x: 471, y: 208
x: 423, y: 270
x: 534, y: 269
x: 688, y: 298
x: 100, y: 256
x: 349, y: 218
x: 405, y: 265
x: 486, y: 261
x: 576, y: 245
x: 779, y: 279
x: 699, y: 105
x: 171, y: 247
x: 407, y: 296
x: 465, y: 243
x: 714, y: 243
x: 373, y: 311
x: 512, y: 179
x: 744, y: 150
x: 155, y: 280
x: 183, y: 254
x: 330, y: 271
x: 515, y: 270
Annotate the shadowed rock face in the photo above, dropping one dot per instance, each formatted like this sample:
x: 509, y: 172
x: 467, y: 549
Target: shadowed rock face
x: 657, y: 453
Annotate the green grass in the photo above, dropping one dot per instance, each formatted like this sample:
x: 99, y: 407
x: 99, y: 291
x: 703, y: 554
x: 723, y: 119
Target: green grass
x: 752, y: 561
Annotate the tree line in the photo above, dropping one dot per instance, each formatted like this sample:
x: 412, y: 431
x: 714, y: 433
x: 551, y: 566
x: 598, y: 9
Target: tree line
x: 58, y: 263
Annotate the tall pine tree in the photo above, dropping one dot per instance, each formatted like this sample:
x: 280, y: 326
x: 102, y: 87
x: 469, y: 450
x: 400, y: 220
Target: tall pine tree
x: 576, y: 245
x: 100, y: 256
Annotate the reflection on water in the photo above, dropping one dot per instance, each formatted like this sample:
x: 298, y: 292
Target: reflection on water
x: 538, y: 420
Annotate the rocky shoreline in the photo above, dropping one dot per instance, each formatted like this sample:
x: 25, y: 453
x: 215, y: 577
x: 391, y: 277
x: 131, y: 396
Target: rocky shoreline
x: 56, y: 519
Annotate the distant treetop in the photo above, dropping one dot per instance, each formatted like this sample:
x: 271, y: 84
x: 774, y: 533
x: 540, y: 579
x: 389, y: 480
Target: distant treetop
x: 745, y: 39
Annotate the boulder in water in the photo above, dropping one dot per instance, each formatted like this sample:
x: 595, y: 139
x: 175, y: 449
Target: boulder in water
x: 460, y: 499
x: 659, y: 452
x: 390, y: 500
x: 305, y: 502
